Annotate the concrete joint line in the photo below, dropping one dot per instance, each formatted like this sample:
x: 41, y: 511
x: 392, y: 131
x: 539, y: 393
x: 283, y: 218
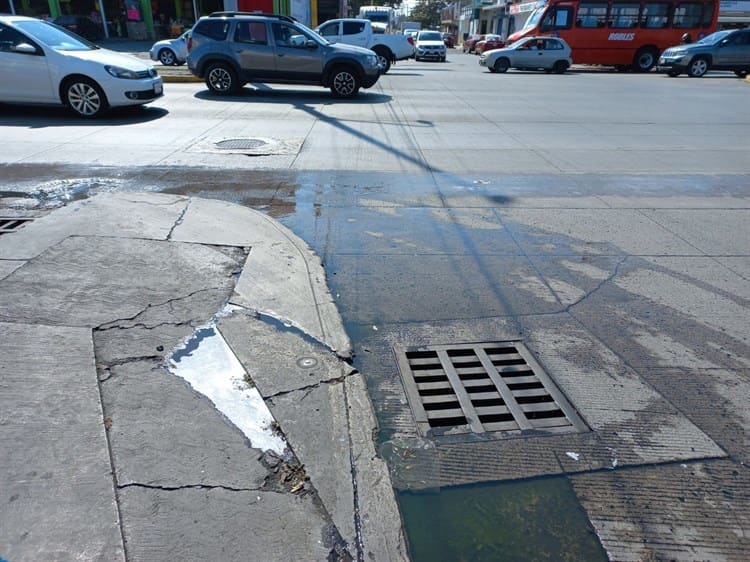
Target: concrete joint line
x: 355, y: 485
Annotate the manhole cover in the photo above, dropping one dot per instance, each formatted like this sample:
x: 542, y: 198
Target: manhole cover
x: 12, y: 224
x: 241, y: 144
x: 482, y: 388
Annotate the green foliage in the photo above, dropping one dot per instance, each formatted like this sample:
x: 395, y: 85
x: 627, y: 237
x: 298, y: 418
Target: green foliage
x: 427, y: 12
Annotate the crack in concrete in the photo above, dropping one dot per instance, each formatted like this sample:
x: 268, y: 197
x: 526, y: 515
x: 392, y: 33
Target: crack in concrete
x: 195, y: 487
x: 143, y: 325
x: 179, y: 220
x: 115, y: 323
x: 599, y: 285
x: 310, y: 387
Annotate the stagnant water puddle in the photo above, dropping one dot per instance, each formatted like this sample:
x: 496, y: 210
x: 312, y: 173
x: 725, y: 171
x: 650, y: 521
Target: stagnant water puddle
x: 508, y: 521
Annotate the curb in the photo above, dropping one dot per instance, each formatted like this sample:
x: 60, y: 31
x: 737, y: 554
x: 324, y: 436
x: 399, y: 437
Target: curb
x: 179, y: 78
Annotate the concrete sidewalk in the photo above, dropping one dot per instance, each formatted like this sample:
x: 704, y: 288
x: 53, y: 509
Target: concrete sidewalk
x: 111, y: 452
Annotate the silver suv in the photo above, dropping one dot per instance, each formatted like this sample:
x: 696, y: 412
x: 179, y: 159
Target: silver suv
x: 723, y: 50
x: 230, y: 49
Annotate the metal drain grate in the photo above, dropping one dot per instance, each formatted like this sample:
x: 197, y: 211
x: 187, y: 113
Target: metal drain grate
x: 482, y: 388
x: 11, y: 224
x: 241, y: 144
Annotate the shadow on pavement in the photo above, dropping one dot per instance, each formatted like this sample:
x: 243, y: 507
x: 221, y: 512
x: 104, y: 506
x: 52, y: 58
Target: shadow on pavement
x: 36, y: 117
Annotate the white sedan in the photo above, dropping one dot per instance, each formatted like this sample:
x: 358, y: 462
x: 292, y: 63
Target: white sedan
x: 171, y: 51
x: 530, y: 53
x: 41, y: 63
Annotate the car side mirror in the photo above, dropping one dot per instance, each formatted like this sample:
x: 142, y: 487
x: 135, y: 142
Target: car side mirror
x: 310, y: 44
x: 25, y: 48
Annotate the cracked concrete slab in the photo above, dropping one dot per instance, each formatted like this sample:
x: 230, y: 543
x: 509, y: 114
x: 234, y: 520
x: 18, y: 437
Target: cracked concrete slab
x: 323, y: 409
x: 89, y: 281
x: 163, y: 433
x: 282, y: 277
x: 56, y: 484
x: 125, y: 215
x: 217, y: 524
x: 9, y: 266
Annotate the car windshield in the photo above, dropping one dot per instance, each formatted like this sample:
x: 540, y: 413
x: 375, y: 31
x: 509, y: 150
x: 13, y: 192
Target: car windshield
x: 534, y: 18
x: 55, y: 37
x: 714, y: 37
x: 430, y: 36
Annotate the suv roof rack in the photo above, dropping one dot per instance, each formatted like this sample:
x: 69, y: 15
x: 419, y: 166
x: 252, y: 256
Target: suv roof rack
x: 258, y: 13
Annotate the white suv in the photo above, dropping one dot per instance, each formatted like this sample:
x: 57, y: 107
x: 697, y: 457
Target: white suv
x: 41, y: 63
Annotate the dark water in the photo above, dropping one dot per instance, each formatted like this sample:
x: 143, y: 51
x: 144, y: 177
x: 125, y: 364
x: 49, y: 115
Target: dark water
x: 510, y: 521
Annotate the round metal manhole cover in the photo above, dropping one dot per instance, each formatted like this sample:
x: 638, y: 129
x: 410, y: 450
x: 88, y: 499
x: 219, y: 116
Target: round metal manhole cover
x: 241, y: 144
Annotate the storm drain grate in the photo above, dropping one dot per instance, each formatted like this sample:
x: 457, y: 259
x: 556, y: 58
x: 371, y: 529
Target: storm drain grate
x: 482, y: 388
x: 241, y: 144
x: 11, y: 224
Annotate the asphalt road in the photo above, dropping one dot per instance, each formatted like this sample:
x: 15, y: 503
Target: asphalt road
x: 600, y: 218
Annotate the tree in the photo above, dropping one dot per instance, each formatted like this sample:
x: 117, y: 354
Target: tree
x: 427, y: 12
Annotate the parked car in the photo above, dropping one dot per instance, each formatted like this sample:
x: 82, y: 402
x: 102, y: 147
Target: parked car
x: 530, y: 53
x: 171, y: 52
x: 44, y: 64
x: 429, y: 46
x: 81, y: 25
x: 230, y: 49
x: 723, y: 50
x: 470, y: 42
x: 390, y: 47
x: 488, y: 43
x: 449, y: 39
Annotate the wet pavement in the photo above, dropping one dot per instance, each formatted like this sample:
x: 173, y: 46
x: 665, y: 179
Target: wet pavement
x: 609, y: 236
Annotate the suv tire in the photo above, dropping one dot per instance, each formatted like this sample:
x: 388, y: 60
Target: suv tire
x: 221, y: 79
x: 698, y: 67
x: 345, y: 82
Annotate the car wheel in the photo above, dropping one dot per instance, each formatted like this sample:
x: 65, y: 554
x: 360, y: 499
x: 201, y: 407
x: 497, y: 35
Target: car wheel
x: 221, y: 79
x: 741, y: 73
x: 501, y: 65
x: 344, y: 83
x: 384, y: 59
x: 698, y: 67
x: 672, y: 73
x: 560, y: 67
x: 167, y: 57
x: 84, y: 97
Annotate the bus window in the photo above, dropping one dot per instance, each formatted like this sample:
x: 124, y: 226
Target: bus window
x: 557, y: 18
x: 655, y: 15
x: 687, y: 15
x: 591, y: 14
x: 624, y: 15
x: 708, y: 15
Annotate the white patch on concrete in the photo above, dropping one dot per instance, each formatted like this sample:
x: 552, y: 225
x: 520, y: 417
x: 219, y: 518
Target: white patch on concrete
x: 574, y: 456
x: 214, y: 371
x: 586, y: 269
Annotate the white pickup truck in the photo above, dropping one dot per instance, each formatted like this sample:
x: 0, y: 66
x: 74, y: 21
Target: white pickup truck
x: 355, y: 31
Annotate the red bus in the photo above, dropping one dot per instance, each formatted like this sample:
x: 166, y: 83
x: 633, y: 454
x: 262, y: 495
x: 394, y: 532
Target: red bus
x: 621, y: 33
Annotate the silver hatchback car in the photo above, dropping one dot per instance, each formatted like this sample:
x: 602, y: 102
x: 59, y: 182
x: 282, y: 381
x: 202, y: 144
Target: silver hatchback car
x: 530, y: 53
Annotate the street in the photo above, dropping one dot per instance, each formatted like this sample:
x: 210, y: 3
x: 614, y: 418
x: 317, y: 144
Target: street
x: 598, y: 218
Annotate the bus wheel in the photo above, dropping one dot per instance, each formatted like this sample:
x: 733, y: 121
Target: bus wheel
x: 501, y: 65
x: 644, y: 60
x: 698, y: 67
